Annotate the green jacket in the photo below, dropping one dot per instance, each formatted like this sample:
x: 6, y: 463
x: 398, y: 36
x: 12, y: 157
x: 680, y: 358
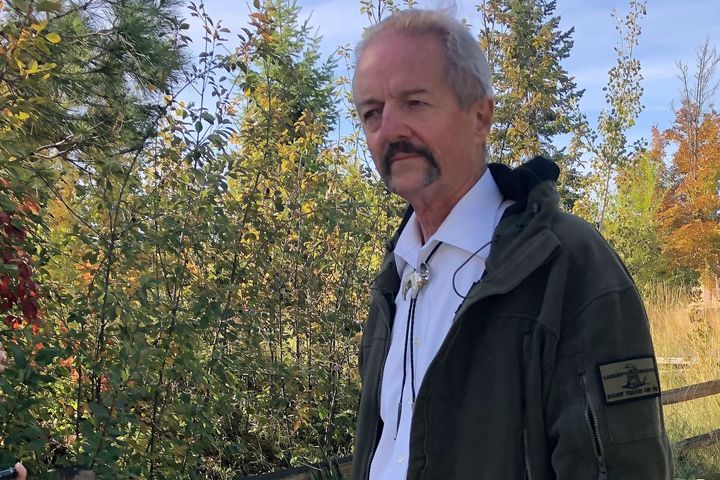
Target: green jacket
x: 548, y: 369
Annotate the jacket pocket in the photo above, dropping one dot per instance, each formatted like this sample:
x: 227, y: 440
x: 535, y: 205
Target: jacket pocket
x: 593, y: 427
x: 635, y: 420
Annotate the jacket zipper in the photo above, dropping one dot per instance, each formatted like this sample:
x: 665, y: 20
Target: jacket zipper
x: 526, y: 464
x: 527, y: 475
x: 374, y: 444
x: 592, y: 423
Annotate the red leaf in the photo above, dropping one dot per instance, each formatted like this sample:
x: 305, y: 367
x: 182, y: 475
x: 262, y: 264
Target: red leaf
x: 29, y: 309
x: 13, y: 321
x: 4, y: 285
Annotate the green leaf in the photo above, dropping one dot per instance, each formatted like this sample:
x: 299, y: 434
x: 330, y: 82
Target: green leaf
x: 6, y: 204
x: 28, y: 375
x: 49, y: 6
x: 215, y: 139
x: 148, y: 280
x: 98, y: 410
x: 10, y: 268
x: 21, y: 5
x: 208, y: 117
x: 87, y: 429
x: 46, y: 355
x: 18, y: 356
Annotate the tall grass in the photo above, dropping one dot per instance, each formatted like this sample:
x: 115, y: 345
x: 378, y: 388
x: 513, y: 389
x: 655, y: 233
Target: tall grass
x: 682, y: 327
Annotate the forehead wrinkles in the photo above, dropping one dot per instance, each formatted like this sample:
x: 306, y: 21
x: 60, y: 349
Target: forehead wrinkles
x: 379, y: 62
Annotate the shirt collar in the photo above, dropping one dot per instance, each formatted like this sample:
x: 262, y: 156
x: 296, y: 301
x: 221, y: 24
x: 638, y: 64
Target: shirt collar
x: 468, y: 226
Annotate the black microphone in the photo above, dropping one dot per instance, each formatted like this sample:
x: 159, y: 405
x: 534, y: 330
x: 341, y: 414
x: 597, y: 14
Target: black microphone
x: 9, y: 473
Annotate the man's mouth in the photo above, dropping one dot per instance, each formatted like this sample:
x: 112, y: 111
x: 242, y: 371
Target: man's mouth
x: 405, y: 156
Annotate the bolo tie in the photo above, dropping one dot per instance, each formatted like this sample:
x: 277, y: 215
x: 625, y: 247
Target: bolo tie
x: 413, y: 283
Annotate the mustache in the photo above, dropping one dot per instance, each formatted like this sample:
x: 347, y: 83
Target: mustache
x: 404, y: 146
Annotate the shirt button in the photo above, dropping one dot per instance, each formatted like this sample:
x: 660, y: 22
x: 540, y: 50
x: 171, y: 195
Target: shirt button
x: 400, y: 459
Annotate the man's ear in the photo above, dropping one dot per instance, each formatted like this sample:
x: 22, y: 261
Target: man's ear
x: 483, y: 109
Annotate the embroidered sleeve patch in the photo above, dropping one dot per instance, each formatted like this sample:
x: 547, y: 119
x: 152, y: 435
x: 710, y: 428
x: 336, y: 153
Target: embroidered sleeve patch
x: 631, y: 379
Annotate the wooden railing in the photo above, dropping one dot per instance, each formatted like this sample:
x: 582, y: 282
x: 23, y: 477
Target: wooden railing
x: 677, y: 362
x: 692, y: 392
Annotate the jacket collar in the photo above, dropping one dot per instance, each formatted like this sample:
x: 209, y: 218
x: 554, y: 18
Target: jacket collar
x: 522, y: 240
x: 388, y: 281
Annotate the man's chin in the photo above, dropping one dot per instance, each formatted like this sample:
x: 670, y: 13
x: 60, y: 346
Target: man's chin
x: 409, y: 187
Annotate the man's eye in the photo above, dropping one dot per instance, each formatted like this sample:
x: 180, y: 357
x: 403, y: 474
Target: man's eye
x: 370, y: 114
x: 415, y: 103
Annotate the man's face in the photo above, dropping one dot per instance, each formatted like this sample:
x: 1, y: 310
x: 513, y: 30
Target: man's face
x: 425, y: 147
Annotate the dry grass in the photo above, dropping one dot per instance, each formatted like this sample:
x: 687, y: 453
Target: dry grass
x: 683, y: 328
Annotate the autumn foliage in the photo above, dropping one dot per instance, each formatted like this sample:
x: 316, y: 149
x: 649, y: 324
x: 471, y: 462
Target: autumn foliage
x: 690, y: 213
x: 189, y: 226
x: 18, y: 291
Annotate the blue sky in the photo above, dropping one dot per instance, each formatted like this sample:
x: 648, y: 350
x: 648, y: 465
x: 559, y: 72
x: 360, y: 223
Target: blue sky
x: 671, y: 32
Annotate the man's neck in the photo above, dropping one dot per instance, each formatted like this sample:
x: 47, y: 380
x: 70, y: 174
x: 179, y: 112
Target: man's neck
x: 431, y: 213
x: 430, y: 217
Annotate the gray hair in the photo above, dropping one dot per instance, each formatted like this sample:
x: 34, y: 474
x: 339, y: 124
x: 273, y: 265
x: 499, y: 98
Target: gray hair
x: 467, y: 71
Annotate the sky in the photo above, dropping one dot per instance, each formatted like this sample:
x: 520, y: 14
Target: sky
x: 672, y: 31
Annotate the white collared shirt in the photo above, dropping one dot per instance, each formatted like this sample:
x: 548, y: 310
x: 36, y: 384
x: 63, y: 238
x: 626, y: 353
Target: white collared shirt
x: 468, y: 226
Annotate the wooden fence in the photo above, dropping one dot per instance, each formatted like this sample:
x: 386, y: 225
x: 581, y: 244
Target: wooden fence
x: 676, y: 395
x: 690, y: 392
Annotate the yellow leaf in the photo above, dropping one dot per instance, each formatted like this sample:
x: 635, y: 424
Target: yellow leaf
x: 307, y: 208
x: 39, y: 27
x: 53, y: 37
x: 297, y: 424
x: 46, y: 76
x: 23, y: 115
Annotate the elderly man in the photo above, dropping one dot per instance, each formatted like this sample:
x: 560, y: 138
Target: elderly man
x: 505, y: 338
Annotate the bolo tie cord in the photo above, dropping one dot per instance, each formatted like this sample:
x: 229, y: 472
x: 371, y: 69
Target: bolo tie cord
x: 409, y: 335
x: 461, y: 267
x: 410, y: 331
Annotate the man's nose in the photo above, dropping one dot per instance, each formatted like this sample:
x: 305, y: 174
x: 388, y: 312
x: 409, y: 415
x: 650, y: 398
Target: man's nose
x: 394, y: 126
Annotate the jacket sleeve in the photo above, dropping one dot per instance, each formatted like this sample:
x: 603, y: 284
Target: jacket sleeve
x: 603, y: 411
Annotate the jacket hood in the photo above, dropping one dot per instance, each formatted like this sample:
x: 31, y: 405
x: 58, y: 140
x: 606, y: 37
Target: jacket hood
x: 523, y: 240
x: 516, y: 184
